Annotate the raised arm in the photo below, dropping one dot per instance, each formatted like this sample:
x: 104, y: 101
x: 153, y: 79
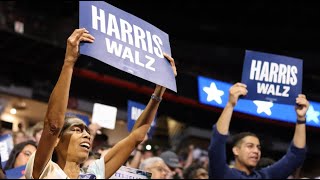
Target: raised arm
x: 224, y: 120
x: 135, y: 162
x: 299, y: 138
x: 217, y: 147
x: 296, y: 153
x: 58, y: 101
x: 118, y: 155
x: 189, y: 160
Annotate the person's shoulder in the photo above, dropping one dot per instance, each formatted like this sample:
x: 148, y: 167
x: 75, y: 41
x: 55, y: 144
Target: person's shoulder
x: 97, y: 167
x: 29, y: 166
x: 51, y: 170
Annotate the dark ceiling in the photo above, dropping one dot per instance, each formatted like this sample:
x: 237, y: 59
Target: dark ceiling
x: 207, y: 38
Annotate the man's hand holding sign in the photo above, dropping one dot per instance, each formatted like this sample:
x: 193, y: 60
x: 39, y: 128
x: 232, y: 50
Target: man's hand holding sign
x: 265, y: 77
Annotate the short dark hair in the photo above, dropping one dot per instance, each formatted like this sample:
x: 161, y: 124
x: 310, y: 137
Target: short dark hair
x: 238, y: 137
x: 191, y: 171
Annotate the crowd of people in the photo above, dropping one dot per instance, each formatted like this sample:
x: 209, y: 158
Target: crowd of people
x: 63, y: 146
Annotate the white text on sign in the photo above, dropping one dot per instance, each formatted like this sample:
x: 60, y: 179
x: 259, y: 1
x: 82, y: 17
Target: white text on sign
x: 274, y: 73
x: 128, y: 33
x: 135, y: 113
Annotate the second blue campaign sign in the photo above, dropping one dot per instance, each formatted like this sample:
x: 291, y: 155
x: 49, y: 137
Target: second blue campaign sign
x: 126, y: 42
x: 271, y: 77
x: 135, y: 109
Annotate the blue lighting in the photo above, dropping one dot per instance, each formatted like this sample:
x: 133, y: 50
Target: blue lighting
x: 215, y: 93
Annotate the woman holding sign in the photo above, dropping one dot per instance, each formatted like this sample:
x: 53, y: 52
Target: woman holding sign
x: 69, y: 138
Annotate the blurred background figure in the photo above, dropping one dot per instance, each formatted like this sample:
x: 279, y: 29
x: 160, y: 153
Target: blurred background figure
x: 37, y: 131
x: 195, y: 171
x: 19, y: 137
x: 136, y: 156
x: 172, y: 161
x: 92, y: 156
x: 2, y: 173
x: 200, y: 156
x: 20, y: 154
x: 157, y: 167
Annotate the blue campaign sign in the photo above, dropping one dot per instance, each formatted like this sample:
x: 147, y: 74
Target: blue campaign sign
x: 135, y: 109
x: 271, y: 77
x: 126, y: 42
x: 3, y: 163
x: 16, y: 173
x: 216, y: 93
x: 6, y: 146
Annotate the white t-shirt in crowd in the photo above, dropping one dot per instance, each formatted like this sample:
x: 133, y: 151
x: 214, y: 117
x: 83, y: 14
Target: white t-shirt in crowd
x: 53, y: 171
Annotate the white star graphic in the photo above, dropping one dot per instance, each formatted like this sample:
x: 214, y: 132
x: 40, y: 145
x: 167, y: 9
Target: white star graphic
x: 263, y: 106
x: 312, y: 115
x: 213, y: 93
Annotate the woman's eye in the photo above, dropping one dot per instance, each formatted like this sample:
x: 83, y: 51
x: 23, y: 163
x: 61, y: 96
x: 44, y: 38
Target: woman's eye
x: 27, y: 153
x: 77, y: 129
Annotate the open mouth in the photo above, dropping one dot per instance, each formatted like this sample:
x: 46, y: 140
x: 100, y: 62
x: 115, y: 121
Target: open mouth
x: 254, y: 158
x: 85, y: 145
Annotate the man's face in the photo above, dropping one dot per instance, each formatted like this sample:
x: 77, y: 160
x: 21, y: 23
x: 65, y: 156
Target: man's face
x: 248, y: 151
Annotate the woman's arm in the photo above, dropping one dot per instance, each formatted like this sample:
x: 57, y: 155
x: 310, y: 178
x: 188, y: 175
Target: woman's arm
x: 57, y: 104
x: 118, y: 155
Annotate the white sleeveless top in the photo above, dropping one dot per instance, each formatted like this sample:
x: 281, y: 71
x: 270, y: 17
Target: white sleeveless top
x: 53, y: 171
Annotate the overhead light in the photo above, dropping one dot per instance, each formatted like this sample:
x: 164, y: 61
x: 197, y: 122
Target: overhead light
x: 148, y: 147
x: 13, y: 111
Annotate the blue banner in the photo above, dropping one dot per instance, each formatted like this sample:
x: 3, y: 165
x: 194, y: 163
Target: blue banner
x: 216, y: 93
x: 6, y: 146
x: 126, y: 42
x: 135, y: 109
x: 271, y: 77
x: 16, y: 173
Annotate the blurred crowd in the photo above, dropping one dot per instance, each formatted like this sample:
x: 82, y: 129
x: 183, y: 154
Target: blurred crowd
x: 185, y: 162
x: 188, y: 163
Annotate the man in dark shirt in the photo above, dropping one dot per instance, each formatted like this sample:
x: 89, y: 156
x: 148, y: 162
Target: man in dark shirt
x: 247, y: 148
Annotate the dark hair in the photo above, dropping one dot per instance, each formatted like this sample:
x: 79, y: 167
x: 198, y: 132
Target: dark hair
x: 15, y: 152
x: 191, y: 171
x: 238, y: 137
